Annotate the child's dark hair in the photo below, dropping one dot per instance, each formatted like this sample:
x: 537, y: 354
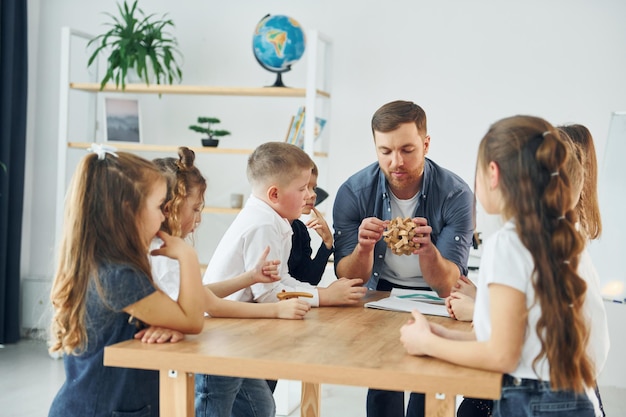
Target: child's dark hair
x: 183, y: 177
x: 101, y: 226
x: 536, y: 194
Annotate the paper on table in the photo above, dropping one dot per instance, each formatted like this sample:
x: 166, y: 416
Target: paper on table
x: 426, y: 296
x: 398, y: 301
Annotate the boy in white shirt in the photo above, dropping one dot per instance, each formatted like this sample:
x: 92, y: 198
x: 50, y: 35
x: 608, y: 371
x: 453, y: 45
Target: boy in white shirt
x: 279, y: 175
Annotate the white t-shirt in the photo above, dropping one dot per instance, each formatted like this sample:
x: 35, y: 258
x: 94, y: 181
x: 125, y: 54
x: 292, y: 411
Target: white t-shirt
x: 165, y: 271
x: 256, y: 227
x: 505, y: 260
x: 406, y: 268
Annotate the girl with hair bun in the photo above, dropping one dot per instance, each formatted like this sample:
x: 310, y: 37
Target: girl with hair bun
x: 215, y: 396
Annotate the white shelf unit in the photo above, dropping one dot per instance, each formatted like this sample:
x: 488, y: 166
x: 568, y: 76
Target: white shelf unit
x: 319, y: 53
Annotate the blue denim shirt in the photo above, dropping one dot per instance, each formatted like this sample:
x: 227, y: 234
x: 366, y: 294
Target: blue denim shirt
x: 445, y: 200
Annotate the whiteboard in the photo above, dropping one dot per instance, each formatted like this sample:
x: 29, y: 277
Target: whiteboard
x: 609, y: 251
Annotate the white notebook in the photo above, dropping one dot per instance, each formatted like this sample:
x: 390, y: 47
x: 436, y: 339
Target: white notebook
x: 426, y: 302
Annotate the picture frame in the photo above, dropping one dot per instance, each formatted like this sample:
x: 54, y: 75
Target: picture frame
x: 122, y: 120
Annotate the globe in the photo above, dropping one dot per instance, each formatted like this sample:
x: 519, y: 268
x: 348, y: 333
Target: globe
x: 278, y: 43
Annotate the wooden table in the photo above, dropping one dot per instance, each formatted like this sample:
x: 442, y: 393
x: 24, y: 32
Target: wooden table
x: 332, y: 345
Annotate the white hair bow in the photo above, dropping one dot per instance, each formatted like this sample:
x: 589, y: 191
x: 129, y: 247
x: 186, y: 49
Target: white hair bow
x: 102, y: 150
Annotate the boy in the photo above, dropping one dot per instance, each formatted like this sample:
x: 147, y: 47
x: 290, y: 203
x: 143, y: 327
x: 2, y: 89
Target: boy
x: 279, y: 174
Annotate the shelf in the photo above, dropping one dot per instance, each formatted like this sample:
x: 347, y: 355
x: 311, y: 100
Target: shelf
x: 200, y: 90
x: 314, y: 95
x: 221, y: 210
x: 126, y: 146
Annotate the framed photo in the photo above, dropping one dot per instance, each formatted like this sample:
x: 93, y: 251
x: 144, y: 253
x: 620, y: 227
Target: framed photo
x: 122, y: 120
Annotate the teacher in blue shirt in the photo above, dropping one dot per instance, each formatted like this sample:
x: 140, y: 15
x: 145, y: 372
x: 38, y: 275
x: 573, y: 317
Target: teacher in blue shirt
x: 403, y: 183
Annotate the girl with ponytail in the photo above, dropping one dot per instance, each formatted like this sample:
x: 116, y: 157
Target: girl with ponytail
x: 529, y: 321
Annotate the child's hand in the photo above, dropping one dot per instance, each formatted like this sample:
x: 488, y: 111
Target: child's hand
x: 465, y: 286
x: 173, y: 247
x: 460, y: 306
x: 265, y: 271
x: 317, y: 223
x: 415, y: 333
x: 293, y: 308
x: 343, y: 291
x: 154, y: 334
x: 449, y: 307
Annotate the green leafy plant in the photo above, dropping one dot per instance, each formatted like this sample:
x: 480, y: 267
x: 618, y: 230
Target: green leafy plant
x: 208, y: 130
x: 138, y: 41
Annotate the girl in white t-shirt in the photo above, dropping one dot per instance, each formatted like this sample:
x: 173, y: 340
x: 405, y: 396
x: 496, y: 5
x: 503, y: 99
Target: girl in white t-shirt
x: 216, y: 395
x: 529, y: 320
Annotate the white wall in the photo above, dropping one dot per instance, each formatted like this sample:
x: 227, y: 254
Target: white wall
x: 467, y: 63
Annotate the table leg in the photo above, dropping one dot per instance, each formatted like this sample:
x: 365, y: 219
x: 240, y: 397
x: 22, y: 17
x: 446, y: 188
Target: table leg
x: 439, y: 405
x: 311, y: 400
x: 176, y: 393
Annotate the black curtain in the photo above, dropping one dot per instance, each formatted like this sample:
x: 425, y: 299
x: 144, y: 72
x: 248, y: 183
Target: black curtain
x: 13, y: 91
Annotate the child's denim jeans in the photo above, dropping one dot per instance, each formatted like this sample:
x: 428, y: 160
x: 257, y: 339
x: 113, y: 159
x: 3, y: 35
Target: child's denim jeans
x: 222, y: 396
x: 533, y: 398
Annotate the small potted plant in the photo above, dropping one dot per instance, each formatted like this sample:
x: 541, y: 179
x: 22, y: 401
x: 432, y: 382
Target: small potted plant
x: 140, y: 43
x: 213, y: 134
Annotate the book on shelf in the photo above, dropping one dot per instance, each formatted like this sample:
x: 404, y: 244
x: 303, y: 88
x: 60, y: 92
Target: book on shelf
x: 289, y: 131
x: 295, y: 134
x: 295, y: 126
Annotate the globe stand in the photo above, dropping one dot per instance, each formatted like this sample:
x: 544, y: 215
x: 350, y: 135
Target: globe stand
x: 279, y: 75
x: 279, y: 81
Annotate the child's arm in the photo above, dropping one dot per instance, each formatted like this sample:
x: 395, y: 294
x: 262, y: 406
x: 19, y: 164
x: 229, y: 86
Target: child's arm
x: 465, y: 286
x: 288, y: 309
x: 158, y: 309
x: 501, y: 353
x: 301, y: 266
x: 263, y: 272
x: 154, y: 334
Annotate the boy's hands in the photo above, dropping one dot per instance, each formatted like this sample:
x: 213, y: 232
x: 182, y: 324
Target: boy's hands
x: 293, y: 309
x: 317, y: 223
x: 265, y: 271
x: 154, y: 334
x: 343, y: 291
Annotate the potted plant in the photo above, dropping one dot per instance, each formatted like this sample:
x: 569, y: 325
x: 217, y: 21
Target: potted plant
x: 209, y: 131
x: 137, y: 42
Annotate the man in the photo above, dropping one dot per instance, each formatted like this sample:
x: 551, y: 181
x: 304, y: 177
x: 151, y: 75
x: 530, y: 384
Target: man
x: 403, y: 183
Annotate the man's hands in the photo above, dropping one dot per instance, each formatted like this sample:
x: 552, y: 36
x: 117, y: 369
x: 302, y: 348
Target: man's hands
x: 424, y: 244
x: 371, y: 231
